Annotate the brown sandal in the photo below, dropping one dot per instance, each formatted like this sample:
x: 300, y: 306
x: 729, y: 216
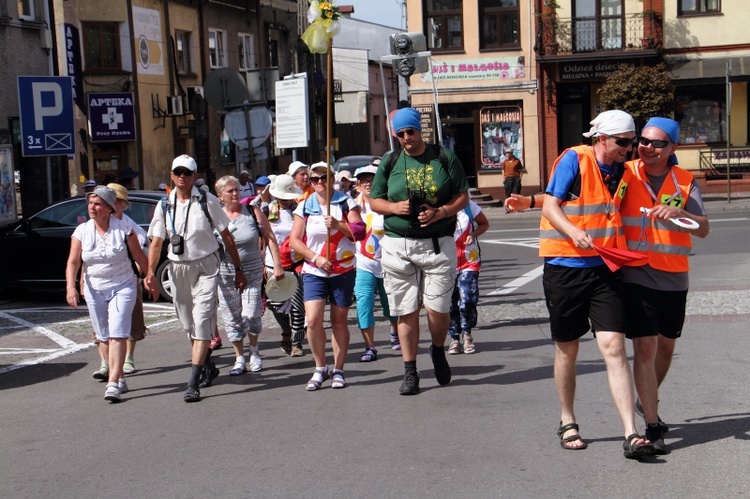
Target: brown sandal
x: 572, y: 438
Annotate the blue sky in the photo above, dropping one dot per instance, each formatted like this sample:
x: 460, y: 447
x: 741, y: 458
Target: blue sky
x: 386, y: 12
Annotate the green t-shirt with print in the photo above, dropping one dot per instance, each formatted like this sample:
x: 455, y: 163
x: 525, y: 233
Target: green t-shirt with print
x: 425, y: 172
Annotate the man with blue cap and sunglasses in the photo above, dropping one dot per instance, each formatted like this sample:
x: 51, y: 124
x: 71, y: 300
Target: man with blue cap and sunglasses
x: 419, y: 195
x: 654, y: 192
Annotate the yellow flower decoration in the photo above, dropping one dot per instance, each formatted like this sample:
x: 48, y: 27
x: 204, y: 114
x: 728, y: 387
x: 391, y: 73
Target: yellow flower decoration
x: 323, y: 18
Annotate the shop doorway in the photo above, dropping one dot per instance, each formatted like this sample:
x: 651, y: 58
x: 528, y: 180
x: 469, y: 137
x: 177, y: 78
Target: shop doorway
x: 573, y: 111
x: 458, y: 136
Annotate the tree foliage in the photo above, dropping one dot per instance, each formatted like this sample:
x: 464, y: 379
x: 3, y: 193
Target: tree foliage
x: 642, y: 91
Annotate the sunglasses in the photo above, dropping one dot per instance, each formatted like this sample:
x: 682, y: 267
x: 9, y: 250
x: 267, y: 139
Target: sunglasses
x: 624, y: 141
x: 408, y: 131
x: 315, y: 180
x: 182, y: 172
x: 658, y: 144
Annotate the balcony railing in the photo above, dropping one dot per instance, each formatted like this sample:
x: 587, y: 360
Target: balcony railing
x: 598, y: 34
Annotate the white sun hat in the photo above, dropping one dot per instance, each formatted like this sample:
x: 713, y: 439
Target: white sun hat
x: 283, y: 187
x: 281, y: 290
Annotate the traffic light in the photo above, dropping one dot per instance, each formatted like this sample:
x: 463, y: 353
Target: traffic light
x: 405, y: 45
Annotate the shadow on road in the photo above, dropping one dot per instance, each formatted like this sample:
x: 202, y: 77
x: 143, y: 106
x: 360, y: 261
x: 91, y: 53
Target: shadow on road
x: 32, y: 375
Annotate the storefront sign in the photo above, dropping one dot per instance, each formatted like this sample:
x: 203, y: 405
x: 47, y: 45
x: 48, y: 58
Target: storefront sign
x: 496, y: 68
x: 111, y: 117
x: 73, y: 61
x: 148, y: 45
x: 7, y: 185
x: 502, y: 130
x: 589, y: 70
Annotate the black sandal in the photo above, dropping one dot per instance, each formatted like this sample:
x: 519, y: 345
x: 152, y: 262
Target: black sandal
x: 634, y: 450
x: 572, y: 438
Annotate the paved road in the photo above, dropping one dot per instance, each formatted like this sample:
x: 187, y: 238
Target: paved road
x: 490, y: 433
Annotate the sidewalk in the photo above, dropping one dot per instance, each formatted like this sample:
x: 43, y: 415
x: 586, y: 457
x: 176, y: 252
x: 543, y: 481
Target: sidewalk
x: 715, y: 204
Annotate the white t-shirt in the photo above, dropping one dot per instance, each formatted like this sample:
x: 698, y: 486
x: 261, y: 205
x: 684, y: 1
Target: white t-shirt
x: 107, y: 264
x: 368, y: 250
x: 281, y: 228
x: 199, y: 235
x: 467, y: 255
x: 342, y: 249
x: 247, y: 190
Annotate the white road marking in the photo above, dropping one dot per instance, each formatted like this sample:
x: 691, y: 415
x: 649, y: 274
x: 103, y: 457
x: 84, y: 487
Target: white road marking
x: 57, y: 338
x: 513, y: 285
x: 52, y: 356
x: 529, y: 242
x: 16, y: 351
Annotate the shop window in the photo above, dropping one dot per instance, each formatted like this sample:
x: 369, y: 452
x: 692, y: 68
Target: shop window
x: 502, y: 129
x: 101, y: 42
x: 499, y: 26
x: 444, y: 19
x: 217, y: 41
x: 183, y: 40
x: 247, y: 54
x: 692, y: 7
x: 701, y: 112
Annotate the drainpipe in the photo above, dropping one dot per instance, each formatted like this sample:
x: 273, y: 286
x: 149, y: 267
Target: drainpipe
x: 138, y: 144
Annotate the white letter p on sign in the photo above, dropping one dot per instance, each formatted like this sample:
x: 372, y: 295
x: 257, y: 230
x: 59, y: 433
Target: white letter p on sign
x: 40, y: 110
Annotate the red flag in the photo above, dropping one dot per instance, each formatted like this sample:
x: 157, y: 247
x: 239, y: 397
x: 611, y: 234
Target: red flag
x: 615, y: 258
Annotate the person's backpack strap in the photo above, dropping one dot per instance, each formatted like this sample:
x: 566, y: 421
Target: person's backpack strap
x: 439, y: 150
x: 204, y: 207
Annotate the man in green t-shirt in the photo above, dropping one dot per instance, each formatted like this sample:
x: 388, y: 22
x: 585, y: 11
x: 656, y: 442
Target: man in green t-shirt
x: 419, y: 195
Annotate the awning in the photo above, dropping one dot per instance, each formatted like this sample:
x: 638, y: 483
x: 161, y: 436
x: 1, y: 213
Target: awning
x: 683, y: 68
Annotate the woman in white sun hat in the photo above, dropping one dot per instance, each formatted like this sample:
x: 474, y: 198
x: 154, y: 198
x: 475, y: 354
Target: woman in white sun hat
x: 290, y: 314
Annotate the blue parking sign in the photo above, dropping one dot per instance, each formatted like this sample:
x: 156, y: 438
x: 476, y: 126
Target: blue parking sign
x: 45, y: 104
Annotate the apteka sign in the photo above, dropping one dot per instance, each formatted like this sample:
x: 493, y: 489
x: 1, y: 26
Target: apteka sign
x: 111, y: 117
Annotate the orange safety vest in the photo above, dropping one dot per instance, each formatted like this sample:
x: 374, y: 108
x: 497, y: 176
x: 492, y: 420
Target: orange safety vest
x: 594, y: 211
x: 667, y: 245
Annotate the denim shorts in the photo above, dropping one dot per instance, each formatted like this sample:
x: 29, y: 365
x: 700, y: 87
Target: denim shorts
x: 337, y: 289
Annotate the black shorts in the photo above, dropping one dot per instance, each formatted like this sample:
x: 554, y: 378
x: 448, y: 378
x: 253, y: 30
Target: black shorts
x: 576, y: 296
x: 651, y: 312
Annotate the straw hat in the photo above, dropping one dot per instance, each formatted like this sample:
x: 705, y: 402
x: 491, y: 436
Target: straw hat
x: 120, y: 191
x: 282, y: 290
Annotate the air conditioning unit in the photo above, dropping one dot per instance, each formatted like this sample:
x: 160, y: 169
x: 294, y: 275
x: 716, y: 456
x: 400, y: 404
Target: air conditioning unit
x: 174, y: 105
x: 191, y: 93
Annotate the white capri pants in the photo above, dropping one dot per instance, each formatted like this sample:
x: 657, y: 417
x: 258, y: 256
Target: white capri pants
x: 111, y: 311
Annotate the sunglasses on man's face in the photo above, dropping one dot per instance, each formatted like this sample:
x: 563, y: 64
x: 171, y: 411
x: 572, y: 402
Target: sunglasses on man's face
x: 408, y: 131
x: 624, y: 141
x: 315, y: 180
x: 658, y: 144
x: 182, y: 173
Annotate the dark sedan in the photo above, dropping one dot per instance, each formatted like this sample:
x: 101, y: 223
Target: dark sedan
x: 34, y: 251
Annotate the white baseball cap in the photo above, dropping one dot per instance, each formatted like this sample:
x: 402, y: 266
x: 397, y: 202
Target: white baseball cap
x: 366, y: 169
x: 296, y: 165
x: 185, y: 161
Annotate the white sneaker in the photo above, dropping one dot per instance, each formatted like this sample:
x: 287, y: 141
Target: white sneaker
x: 123, y: 386
x: 256, y: 363
x: 112, y: 393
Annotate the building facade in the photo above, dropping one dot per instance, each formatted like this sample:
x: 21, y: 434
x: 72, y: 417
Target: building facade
x: 481, y: 85
x: 581, y: 42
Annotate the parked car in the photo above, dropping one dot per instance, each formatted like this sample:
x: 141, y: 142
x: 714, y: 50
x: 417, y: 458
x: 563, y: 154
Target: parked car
x: 34, y: 250
x: 351, y: 163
